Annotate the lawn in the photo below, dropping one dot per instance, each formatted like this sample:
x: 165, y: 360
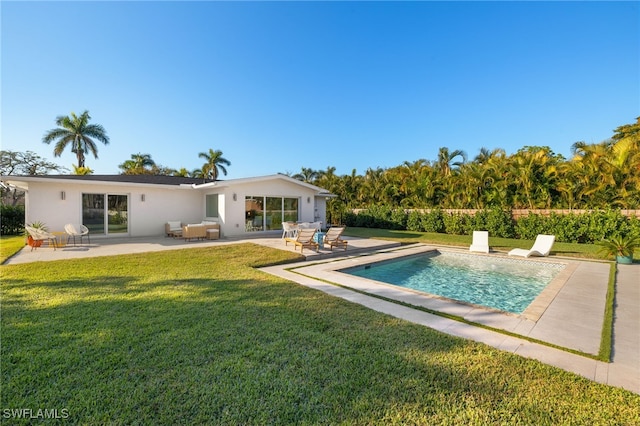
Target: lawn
x: 199, y: 336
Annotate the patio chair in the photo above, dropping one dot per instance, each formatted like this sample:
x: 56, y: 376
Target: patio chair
x: 289, y: 230
x: 74, y: 230
x: 37, y: 234
x: 304, y: 238
x: 332, y: 237
x: 541, y: 247
x: 480, y: 242
x: 173, y: 228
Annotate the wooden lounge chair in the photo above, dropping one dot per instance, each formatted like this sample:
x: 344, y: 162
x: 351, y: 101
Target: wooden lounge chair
x: 480, y: 242
x: 541, y: 247
x: 332, y: 238
x: 303, y: 239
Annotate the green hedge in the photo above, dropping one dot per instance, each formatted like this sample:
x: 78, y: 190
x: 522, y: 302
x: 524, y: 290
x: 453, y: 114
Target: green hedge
x: 11, y: 220
x: 572, y: 228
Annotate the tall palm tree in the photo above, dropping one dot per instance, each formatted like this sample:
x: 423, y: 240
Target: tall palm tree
x: 215, y: 163
x: 76, y: 131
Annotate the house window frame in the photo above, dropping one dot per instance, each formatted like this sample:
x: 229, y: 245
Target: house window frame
x: 265, y: 218
x: 217, y: 206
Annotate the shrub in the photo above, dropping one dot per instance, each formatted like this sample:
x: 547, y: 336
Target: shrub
x: 454, y: 224
x: 528, y: 227
x: 414, y: 221
x: 433, y: 221
x: 11, y: 220
x: 499, y: 223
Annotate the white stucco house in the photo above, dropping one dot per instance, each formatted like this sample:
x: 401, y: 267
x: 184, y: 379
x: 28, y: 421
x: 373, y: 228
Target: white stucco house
x: 140, y: 205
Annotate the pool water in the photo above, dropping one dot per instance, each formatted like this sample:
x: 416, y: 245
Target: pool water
x: 501, y: 283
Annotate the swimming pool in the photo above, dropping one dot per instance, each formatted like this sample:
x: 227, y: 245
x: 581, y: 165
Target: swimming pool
x: 501, y: 283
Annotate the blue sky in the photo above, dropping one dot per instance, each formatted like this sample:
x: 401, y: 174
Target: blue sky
x: 277, y: 86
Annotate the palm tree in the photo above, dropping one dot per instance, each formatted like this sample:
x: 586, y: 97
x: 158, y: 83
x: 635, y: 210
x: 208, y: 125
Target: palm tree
x: 181, y: 173
x: 81, y: 170
x: 138, y: 164
x: 445, y: 160
x: 76, y: 131
x: 307, y: 175
x: 215, y: 163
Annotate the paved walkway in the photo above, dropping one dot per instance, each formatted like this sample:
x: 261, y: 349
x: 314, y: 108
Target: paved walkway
x: 569, y: 313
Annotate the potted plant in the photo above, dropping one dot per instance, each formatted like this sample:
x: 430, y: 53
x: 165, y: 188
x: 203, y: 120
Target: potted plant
x: 620, y: 246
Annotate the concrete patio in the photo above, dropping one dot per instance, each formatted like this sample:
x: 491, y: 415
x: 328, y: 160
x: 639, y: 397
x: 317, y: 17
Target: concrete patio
x: 569, y: 313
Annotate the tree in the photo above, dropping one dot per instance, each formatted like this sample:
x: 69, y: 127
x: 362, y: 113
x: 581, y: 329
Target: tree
x: 182, y: 172
x: 76, y: 131
x: 139, y: 164
x: 306, y: 175
x: 26, y: 163
x: 445, y: 160
x: 82, y: 170
x: 22, y: 163
x: 215, y: 163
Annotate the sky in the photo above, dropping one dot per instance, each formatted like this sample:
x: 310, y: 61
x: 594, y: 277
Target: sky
x: 281, y: 86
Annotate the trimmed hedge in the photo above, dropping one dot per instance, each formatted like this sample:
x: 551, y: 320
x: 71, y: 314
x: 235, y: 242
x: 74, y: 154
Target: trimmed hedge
x: 11, y: 220
x: 571, y: 228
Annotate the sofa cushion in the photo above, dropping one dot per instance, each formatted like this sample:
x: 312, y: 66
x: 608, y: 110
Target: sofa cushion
x: 174, y: 225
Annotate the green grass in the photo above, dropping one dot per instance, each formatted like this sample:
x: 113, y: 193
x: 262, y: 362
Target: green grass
x: 199, y: 336
x: 10, y: 246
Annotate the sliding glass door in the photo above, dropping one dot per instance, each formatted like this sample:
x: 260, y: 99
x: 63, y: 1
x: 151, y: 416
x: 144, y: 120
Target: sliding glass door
x: 267, y: 213
x: 117, y: 214
x: 105, y: 213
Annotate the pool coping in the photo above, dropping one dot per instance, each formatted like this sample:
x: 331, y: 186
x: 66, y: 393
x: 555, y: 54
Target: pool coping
x: 533, y: 311
x: 548, y: 318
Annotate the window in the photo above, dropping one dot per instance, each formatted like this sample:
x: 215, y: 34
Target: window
x: 212, y: 206
x: 267, y: 213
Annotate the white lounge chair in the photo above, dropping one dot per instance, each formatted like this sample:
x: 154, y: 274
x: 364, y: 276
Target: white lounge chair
x: 480, y: 242
x: 541, y: 247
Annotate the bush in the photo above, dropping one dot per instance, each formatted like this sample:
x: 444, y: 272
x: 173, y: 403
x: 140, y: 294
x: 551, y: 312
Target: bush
x: 528, y: 227
x: 500, y: 223
x: 573, y: 228
x: 433, y: 221
x: 455, y: 224
x: 414, y: 221
x: 11, y: 220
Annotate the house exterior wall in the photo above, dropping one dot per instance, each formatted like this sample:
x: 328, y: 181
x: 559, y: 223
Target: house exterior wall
x: 151, y: 206
x: 233, y: 223
x: 44, y: 203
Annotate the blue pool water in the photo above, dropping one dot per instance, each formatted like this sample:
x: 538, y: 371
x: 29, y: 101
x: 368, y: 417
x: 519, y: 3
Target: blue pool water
x: 506, y: 284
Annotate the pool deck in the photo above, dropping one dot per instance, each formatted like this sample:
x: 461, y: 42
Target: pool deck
x: 569, y: 313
